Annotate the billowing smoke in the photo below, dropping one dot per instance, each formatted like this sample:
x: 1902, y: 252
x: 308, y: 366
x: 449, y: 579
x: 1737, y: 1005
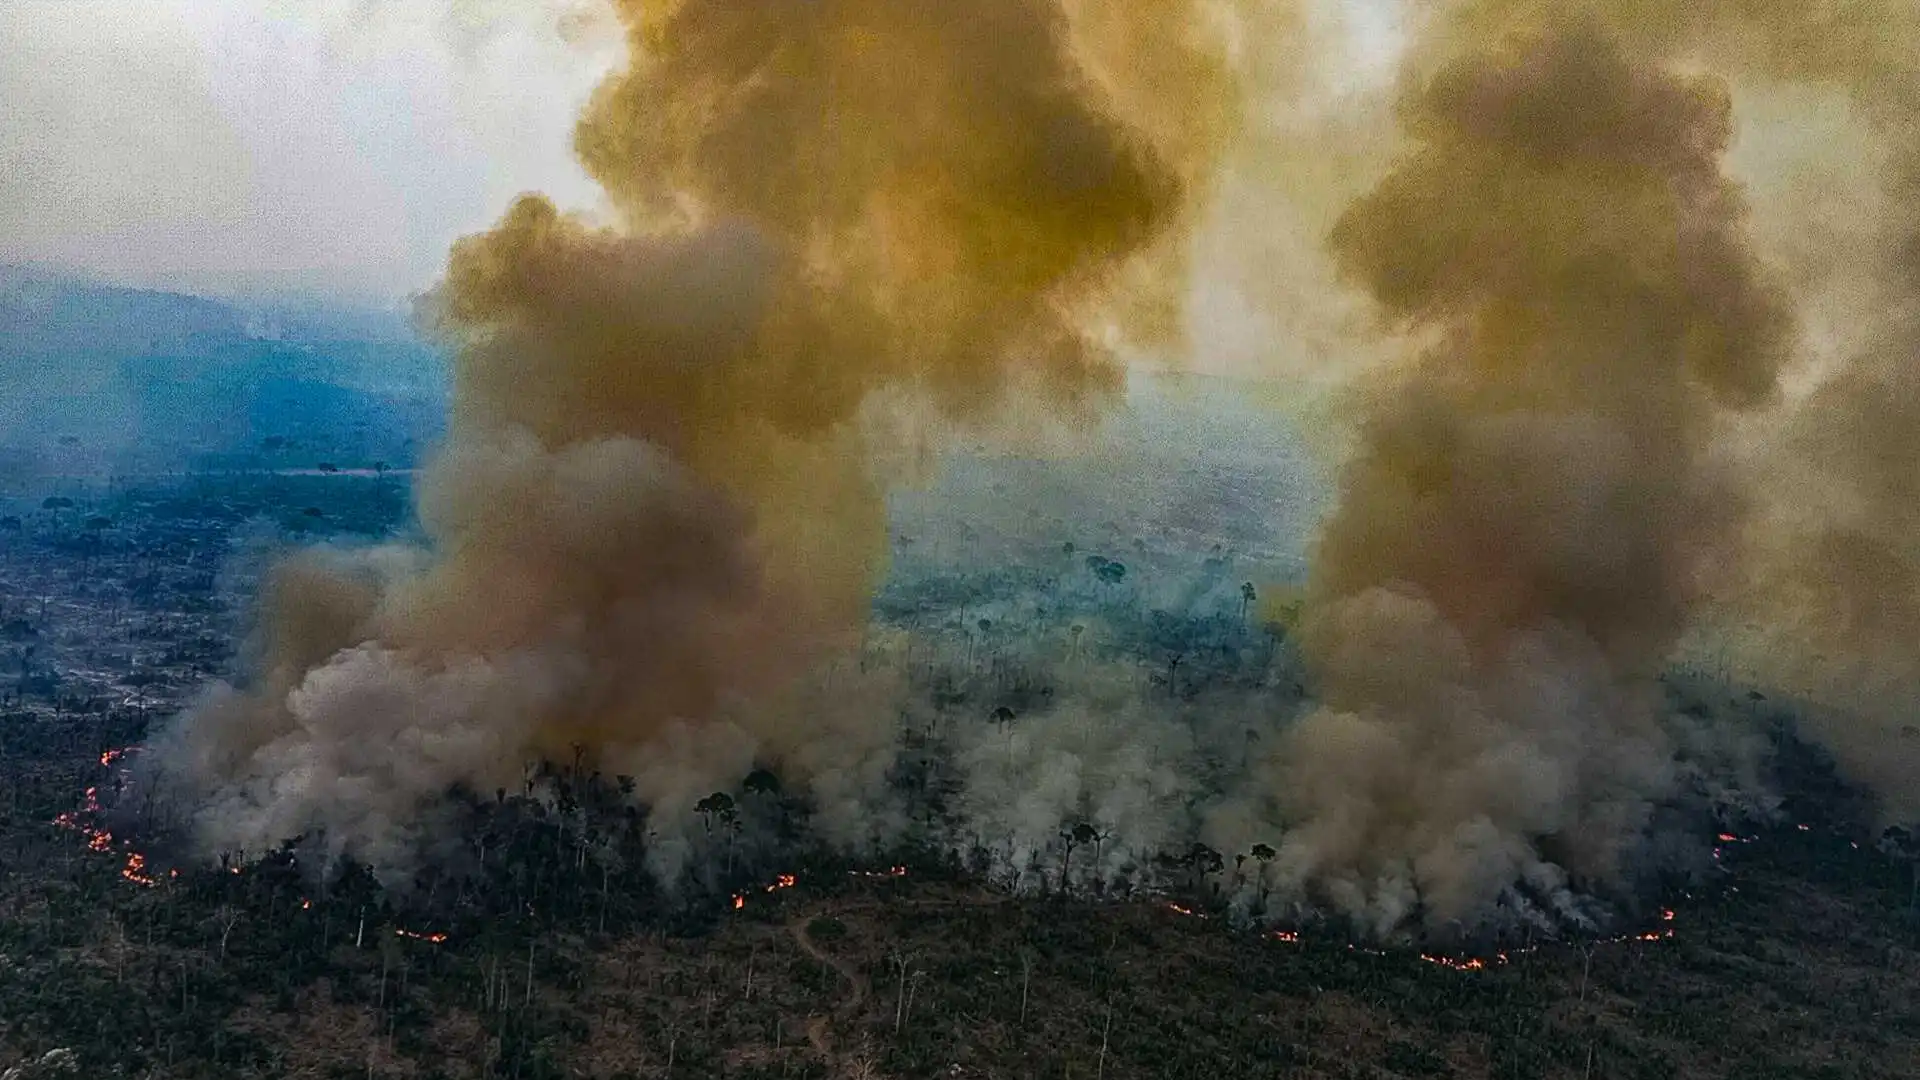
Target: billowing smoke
x: 654, y: 514
x: 1833, y: 586
x: 1836, y: 584
x: 1833, y: 592
x: 838, y: 230
x: 1533, y: 511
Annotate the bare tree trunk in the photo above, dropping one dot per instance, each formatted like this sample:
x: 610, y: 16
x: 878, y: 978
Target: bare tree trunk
x: 900, y: 999
x: 1100, y: 1070
x: 1026, y: 980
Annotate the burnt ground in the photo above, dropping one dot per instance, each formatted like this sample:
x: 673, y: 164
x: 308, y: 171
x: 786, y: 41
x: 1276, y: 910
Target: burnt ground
x: 1801, y: 961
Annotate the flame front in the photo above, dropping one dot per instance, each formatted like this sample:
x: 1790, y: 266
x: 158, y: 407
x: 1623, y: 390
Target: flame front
x: 102, y: 840
x: 136, y: 870
x: 783, y: 881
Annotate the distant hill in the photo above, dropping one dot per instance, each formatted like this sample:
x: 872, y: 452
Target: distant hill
x: 95, y: 376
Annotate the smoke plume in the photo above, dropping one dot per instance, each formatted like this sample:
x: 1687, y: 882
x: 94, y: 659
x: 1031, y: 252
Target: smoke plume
x: 653, y: 513
x: 1833, y: 588
x: 1532, y: 512
x: 844, y: 228
x: 1836, y: 564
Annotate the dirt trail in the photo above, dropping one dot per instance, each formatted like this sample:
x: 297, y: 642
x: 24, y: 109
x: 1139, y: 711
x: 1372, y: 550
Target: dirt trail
x: 857, y: 987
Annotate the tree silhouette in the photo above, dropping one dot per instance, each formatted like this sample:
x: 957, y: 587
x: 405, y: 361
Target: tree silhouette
x: 1901, y: 843
x: 1202, y: 861
x: 1266, y: 855
x: 1077, y: 836
x: 717, y: 806
x: 761, y: 782
x: 1247, y: 597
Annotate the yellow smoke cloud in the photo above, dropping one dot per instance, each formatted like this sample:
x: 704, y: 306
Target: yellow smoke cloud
x: 654, y: 508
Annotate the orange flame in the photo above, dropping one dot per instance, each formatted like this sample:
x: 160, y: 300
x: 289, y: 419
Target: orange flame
x: 783, y: 881
x: 1471, y: 963
x: 889, y: 872
x: 432, y: 939
x: 136, y: 870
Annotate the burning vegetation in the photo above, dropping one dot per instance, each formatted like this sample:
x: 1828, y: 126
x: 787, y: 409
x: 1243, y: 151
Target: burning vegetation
x: 561, y: 858
x: 640, y: 668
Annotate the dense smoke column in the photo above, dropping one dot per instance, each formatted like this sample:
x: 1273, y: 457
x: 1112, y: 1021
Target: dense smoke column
x: 653, y: 509
x: 1837, y: 572
x: 1530, y: 513
x: 1832, y: 604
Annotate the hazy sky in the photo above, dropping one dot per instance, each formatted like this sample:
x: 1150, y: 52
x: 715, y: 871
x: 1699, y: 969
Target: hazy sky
x: 332, y: 146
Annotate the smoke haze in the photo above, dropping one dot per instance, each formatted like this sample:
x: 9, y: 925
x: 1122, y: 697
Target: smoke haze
x: 1599, y: 393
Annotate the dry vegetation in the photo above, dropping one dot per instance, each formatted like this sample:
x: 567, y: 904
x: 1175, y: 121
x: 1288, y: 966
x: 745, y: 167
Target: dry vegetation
x: 1809, y: 969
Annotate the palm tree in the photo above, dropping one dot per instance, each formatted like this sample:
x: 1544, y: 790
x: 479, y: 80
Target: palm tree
x: 1265, y: 854
x: 715, y: 806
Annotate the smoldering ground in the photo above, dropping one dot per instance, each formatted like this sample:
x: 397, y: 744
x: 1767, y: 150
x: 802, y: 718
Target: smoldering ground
x: 655, y: 531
